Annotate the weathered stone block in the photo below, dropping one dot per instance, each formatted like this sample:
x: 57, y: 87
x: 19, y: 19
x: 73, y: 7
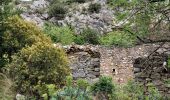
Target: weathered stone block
x: 137, y: 70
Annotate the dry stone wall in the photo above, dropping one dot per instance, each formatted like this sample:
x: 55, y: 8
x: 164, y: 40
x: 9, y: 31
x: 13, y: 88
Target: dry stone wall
x: 84, y: 63
x: 153, y: 70
x: 91, y: 61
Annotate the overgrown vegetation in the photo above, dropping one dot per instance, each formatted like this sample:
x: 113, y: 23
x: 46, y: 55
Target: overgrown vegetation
x: 118, y: 38
x: 63, y: 35
x: 103, y: 89
x: 146, y: 20
x: 34, y: 67
x: 88, y: 36
x: 79, y: 91
x: 16, y: 34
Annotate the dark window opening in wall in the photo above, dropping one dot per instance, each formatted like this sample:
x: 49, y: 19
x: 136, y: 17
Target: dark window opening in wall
x: 113, y: 71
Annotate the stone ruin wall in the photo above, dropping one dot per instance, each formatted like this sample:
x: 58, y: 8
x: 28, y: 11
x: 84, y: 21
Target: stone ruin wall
x: 84, y: 63
x: 90, y: 62
x: 153, y: 70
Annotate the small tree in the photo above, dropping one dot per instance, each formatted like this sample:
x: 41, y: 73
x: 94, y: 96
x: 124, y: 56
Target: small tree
x: 34, y: 67
x: 15, y: 33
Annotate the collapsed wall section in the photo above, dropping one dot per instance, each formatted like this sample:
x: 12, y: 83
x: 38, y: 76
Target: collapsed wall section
x: 153, y: 69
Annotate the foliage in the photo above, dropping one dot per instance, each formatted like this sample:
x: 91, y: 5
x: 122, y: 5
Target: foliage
x: 146, y: 20
x: 118, y: 38
x: 73, y: 92
x: 6, y: 90
x: 90, y: 36
x: 94, y: 7
x: 51, y: 90
x: 103, y: 88
x: 57, y: 10
x: 64, y: 35
x: 153, y: 93
x: 79, y: 40
x: 34, y: 67
x: 6, y: 9
x: 15, y: 33
x: 134, y: 90
x: 167, y: 82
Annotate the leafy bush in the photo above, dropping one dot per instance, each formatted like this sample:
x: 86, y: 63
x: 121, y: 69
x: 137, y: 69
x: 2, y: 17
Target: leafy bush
x: 89, y: 36
x: 95, y: 7
x: 57, y: 10
x: 64, y: 35
x: 103, y: 88
x: 15, y: 33
x: 117, y: 38
x: 34, y: 67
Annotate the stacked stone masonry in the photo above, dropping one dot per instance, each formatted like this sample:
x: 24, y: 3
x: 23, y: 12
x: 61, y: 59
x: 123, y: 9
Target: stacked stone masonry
x: 90, y: 62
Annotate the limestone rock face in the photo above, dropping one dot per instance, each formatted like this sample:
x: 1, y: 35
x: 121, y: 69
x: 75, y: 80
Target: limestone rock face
x: 34, y: 11
x: 78, y: 16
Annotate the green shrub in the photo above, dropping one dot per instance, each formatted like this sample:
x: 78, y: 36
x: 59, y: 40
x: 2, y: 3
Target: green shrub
x: 134, y: 90
x: 117, y: 38
x: 34, y: 67
x: 90, y: 36
x: 15, y: 33
x: 79, y: 40
x: 103, y: 88
x: 57, y: 10
x: 153, y: 93
x: 63, y: 35
x: 95, y: 7
x: 7, y: 9
x: 74, y: 92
